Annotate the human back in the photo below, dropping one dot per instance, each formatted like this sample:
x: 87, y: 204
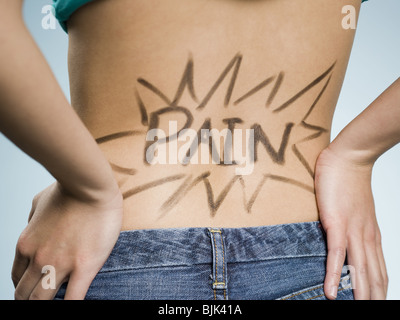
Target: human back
x: 275, y: 67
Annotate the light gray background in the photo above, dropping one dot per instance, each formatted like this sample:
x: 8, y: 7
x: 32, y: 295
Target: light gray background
x: 374, y: 65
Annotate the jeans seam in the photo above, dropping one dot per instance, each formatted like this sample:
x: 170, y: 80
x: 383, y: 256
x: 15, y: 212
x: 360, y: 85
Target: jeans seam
x: 216, y: 282
x: 301, y: 292
x: 321, y: 295
x: 152, y: 267
x: 311, y: 289
x: 216, y: 264
x: 280, y: 258
x: 223, y: 264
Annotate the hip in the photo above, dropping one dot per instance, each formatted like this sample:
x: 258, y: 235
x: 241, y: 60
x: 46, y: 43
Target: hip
x: 268, y: 262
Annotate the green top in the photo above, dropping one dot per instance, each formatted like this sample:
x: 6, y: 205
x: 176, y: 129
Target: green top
x: 65, y: 8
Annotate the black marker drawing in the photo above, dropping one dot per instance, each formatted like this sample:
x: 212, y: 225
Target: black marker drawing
x: 276, y: 153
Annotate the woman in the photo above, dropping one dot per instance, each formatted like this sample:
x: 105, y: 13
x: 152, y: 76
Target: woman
x: 150, y: 81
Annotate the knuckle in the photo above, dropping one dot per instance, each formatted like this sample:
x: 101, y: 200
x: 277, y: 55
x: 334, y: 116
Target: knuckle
x: 336, y: 272
x: 339, y: 252
x: 377, y: 284
x: 385, y: 280
x: 83, y: 262
x: 362, y: 270
x: 378, y: 240
x: 370, y: 237
x: 40, y: 259
x: 23, y: 245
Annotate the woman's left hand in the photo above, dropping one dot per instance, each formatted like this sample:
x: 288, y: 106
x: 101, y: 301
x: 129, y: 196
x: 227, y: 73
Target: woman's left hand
x: 347, y: 214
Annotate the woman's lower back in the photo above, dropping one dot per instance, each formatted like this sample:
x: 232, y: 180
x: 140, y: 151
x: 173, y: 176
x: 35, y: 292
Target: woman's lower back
x: 159, y: 84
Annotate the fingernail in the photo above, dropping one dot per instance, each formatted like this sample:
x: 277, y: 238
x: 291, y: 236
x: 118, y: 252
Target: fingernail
x: 333, y: 292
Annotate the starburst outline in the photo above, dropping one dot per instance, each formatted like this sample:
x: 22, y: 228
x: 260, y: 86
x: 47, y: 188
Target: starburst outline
x: 187, y: 82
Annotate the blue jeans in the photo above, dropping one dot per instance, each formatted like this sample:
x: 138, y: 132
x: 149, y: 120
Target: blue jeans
x: 270, y: 262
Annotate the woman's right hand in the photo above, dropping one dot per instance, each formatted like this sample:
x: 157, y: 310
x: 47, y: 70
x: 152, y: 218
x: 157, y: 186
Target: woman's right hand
x: 75, y: 236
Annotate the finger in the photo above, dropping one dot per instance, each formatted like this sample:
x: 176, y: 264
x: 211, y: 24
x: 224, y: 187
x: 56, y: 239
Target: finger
x: 22, y: 258
x: 19, y: 267
x: 28, y: 281
x: 382, y: 263
x: 40, y: 293
x: 374, y: 273
x: 383, y: 269
x: 358, y: 260
x: 48, y: 286
x: 336, y: 241
x: 372, y: 240
x: 78, y: 285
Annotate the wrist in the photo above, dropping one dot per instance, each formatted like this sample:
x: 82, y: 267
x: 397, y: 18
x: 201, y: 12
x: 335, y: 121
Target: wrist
x: 351, y: 155
x: 109, y: 196
x: 348, y: 159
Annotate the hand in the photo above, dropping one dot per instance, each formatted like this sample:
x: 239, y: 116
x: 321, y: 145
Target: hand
x: 347, y: 214
x: 72, y: 235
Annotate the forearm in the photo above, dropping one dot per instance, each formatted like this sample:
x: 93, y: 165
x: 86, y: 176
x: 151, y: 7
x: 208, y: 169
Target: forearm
x: 36, y: 116
x: 374, y: 131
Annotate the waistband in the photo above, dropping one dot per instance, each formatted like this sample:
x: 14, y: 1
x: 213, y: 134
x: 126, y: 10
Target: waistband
x: 136, y: 249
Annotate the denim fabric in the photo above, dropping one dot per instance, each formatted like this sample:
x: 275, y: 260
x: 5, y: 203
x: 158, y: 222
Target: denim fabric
x: 270, y: 262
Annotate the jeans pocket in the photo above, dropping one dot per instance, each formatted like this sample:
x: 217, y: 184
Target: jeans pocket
x: 345, y: 292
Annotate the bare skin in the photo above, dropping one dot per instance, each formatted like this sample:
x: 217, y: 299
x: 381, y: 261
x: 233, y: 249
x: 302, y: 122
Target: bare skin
x: 276, y: 67
x: 141, y: 62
